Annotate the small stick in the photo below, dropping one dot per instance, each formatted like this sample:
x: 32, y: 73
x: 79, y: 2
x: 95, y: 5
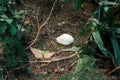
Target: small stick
x: 113, y: 70
x: 22, y: 66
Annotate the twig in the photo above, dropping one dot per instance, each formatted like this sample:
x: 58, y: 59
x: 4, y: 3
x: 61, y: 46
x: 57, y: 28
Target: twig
x: 73, y: 49
x: 113, y: 70
x: 54, y: 60
x: 40, y: 26
x: 73, y: 63
x: 22, y: 66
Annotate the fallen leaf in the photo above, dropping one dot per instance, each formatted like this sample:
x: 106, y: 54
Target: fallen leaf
x: 48, y: 55
x: 39, y: 54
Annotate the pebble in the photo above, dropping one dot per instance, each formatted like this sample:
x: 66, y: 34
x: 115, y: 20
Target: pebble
x: 65, y: 39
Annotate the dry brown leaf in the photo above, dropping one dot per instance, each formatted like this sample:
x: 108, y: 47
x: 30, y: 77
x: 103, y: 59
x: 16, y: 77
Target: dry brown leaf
x: 48, y: 55
x: 39, y: 54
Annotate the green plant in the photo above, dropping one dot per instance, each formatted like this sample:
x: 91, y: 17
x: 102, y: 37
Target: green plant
x: 105, y: 31
x: 85, y: 70
x: 14, y: 58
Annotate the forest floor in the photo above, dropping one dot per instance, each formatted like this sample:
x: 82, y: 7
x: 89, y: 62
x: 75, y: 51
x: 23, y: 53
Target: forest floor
x: 64, y: 19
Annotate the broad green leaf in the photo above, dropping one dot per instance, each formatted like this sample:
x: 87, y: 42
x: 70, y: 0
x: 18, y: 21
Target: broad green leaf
x: 117, y: 30
x: 118, y: 36
x: 4, y: 16
x: 77, y: 3
x: 13, y: 30
x: 9, y: 21
x: 3, y: 8
x: 2, y: 20
x: 18, y: 16
x: 3, y: 27
x: 99, y: 42
x: 106, y: 9
x: 116, y: 48
x: 18, y: 26
x: 21, y: 12
x: 110, y: 17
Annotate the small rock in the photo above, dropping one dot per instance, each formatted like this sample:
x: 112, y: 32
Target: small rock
x: 65, y: 39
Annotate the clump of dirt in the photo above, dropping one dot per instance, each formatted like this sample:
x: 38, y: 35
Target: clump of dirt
x: 64, y: 19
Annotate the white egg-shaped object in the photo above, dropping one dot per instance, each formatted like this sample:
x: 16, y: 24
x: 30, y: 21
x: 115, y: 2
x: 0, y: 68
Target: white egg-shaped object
x: 65, y: 39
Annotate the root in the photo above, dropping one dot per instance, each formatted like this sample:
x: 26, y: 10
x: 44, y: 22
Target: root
x: 41, y: 26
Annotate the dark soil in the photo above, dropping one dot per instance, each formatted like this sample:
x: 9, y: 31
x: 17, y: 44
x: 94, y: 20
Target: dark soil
x: 74, y: 22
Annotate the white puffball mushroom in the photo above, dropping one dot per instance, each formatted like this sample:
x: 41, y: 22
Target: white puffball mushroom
x: 65, y: 39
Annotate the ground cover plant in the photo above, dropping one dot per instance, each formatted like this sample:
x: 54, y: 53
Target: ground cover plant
x: 13, y: 57
x: 104, y: 29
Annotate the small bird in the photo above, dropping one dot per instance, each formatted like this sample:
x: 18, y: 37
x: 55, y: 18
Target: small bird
x: 65, y: 39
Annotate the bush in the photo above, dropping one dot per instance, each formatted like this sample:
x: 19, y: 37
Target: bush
x: 13, y: 58
x: 105, y: 31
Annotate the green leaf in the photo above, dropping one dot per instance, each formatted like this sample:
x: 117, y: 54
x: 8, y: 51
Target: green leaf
x: 110, y: 17
x: 3, y: 1
x: 9, y: 21
x: 106, y: 9
x: 18, y: 26
x: 13, y: 30
x: 21, y: 12
x: 77, y: 3
x: 18, y: 16
x: 3, y: 8
x: 117, y: 30
x: 3, y: 27
x: 99, y: 42
x: 116, y: 48
x: 4, y: 16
